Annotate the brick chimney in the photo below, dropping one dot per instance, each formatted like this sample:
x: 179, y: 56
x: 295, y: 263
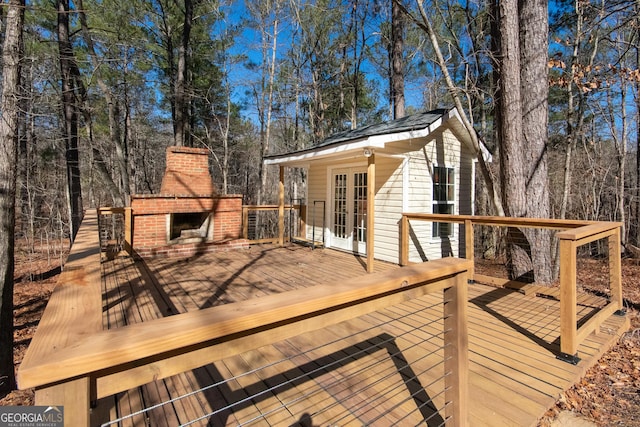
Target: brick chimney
x: 187, y: 173
x: 188, y: 216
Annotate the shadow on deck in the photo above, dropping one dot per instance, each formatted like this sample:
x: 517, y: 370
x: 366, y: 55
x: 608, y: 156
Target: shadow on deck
x: 378, y: 369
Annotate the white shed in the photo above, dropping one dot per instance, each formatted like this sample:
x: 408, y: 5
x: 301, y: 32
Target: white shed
x: 423, y: 163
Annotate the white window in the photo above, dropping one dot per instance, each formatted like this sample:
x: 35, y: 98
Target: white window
x: 443, y: 198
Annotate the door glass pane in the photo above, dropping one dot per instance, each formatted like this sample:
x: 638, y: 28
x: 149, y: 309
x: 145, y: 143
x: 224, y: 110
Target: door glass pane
x: 340, y: 206
x: 360, y: 207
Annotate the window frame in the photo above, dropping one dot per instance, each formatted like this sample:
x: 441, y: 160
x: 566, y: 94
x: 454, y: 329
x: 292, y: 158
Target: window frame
x: 443, y: 195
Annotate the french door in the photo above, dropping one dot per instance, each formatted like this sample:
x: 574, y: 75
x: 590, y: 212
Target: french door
x: 349, y: 210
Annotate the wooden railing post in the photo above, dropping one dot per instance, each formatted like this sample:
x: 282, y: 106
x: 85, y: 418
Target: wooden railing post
x: 456, y: 352
x: 615, y: 269
x: 468, y: 245
x: 568, y: 300
x: 404, y: 240
x: 245, y: 222
x: 74, y: 396
x: 128, y: 230
x: 303, y: 221
x: 281, y: 208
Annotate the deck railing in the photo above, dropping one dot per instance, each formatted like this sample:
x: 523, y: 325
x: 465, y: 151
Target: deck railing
x: 73, y: 362
x: 571, y: 237
x: 266, y: 224
x: 115, y: 229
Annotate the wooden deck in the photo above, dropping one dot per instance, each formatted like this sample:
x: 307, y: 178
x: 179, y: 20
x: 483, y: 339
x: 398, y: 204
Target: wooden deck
x: 379, y: 369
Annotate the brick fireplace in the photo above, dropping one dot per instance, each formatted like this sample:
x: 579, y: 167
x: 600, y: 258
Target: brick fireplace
x: 188, y: 216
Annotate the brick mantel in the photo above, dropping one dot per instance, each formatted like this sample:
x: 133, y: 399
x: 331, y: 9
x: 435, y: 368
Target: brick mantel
x: 148, y: 204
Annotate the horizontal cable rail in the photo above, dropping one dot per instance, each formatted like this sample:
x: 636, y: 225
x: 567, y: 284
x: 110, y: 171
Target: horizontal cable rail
x: 486, y: 239
x: 72, y: 362
x: 260, y: 223
x: 115, y: 230
x: 362, y: 371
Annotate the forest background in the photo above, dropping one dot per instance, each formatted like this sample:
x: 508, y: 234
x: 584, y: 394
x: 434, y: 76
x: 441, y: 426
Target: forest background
x: 246, y: 80
x: 105, y: 86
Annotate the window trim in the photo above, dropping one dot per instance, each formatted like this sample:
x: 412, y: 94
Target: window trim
x: 449, y: 175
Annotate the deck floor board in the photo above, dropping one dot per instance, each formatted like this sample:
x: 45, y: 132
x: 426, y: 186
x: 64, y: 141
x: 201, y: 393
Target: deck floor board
x: 379, y: 369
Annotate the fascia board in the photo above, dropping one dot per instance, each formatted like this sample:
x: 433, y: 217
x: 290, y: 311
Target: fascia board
x: 374, y: 141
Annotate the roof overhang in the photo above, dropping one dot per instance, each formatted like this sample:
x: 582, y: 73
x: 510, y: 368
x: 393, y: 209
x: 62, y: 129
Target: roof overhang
x: 356, y: 147
x: 345, y: 149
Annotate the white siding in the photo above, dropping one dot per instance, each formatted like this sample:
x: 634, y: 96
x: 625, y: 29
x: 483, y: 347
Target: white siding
x: 388, y: 208
x: 441, y: 150
x: 316, y: 192
x: 447, y: 151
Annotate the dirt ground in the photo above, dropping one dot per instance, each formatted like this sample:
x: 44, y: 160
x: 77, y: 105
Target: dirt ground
x: 608, y: 395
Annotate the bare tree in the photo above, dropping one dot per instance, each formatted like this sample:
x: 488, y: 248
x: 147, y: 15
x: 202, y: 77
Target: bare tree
x: 9, y: 110
x: 520, y: 70
x: 424, y: 23
x: 619, y: 128
x: 267, y: 15
x: 181, y: 127
x: 70, y: 112
x: 509, y: 107
x: 397, y: 60
x: 576, y: 99
x: 113, y: 111
x: 521, y: 56
x: 220, y: 124
x: 637, y: 95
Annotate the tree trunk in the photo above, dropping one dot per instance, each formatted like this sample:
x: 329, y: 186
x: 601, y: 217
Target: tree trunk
x: 397, y: 49
x: 268, y: 111
x: 181, y: 95
x: 23, y: 211
x: 70, y: 111
x: 509, y: 110
x: 342, y: 86
x: 534, y: 90
x: 637, y: 92
x: 9, y: 110
x: 573, y: 130
x: 620, y: 139
x: 509, y: 131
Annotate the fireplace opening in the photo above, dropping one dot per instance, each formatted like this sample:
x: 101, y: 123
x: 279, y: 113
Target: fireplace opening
x: 189, y: 225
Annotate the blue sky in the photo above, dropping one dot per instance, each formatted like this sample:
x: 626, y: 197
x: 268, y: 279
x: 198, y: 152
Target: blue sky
x: 249, y: 43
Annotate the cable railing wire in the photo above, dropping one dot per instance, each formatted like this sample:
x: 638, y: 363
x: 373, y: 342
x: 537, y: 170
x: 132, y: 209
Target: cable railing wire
x: 310, y: 373
x: 362, y: 370
x: 337, y: 363
x: 392, y: 387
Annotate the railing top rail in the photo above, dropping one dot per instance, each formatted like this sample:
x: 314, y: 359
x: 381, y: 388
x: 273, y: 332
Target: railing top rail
x: 108, y: 210
x: 268, y: 207
x: 558, y: 224
x: 591, y: 231
x: 122, y: 347
x: 74, y: 310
